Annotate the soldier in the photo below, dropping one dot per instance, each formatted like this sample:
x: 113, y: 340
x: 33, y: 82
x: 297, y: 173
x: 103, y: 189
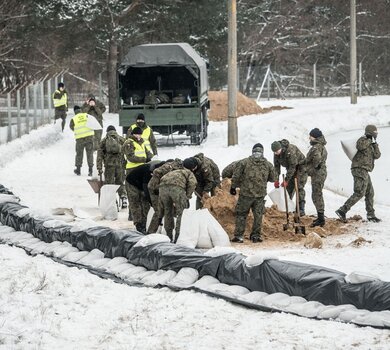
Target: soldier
x: 176, y: 189
x: 147, y: 133
x: 207, y: 176
x: 60, y: 102
x: 251, y: 176
x: 362, y: 164
x: 96, y: 109
x: 154, y: 185
x: 84, y: 139
x: 136, y: 154
x: 289, y: 156
x: 139, y: 199
x: 316, y: 168
x: 110, y: 156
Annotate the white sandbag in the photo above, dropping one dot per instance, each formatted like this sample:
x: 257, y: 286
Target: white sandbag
x: 205, y: 281
x: 349, y: 147
x: 277, y: 198
x: 153, y: 238
x: 258, y: 259
x: 139, y: 276
x: 184, y: 278
x: 75, y: 256
x: 333, y: 311
x: 120, y: 268
x: 50, y: 247
x: 27, y: 242
x: 349, y: 315
x: 371, y: 319
x: 92, y: 123
x: 161, y: 277
x: 82, y: 225
x: 6, y: 229
x: 360, y: 277
x: 115, y: 262
x: 254, y: 297
x: 64, y: 249
x: 54, y: 223
x: 82, y: 213
x: 8, y: 198
x: 218, y: 236
x: 130, y: 271
x: 92, y: 255
x: 108, y: 207
x: 16, y: 236
x: 277, y: 300
x: 219, y: 288
x: 189, y: 229
x: 204, y: 240
x: 98, y: 263
x: 219, y: 251
x: 23, y: 212
x: 309, y: 309
x: 236, y: 290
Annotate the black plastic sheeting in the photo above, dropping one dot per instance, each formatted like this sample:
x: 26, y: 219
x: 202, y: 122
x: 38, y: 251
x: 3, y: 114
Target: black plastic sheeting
x: 314, y: 283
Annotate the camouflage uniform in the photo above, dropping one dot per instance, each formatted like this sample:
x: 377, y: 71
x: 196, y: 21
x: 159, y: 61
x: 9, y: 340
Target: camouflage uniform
x: 176, y: 189
x: 316, y: 168
x: 207, y: 175
x: 96, y: 111
x: 129, y: 154
x: 294, y: 161
x: 227, y: 172
x: 113, y: 163
x: 153, y: 187
x: 251, y: 176
x: 363, y: 163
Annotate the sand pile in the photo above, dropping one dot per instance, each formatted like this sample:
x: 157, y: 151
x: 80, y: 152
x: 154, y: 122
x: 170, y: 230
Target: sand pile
x: 222, y: 207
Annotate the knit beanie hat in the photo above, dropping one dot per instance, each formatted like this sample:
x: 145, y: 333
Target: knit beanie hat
x: 111, y: 128
x: 190, y: 163
x: 316, y: 133
x: 276, y: 146
x: 137, y: 131
x: 76, y: 109
x: 371, y: 130
x: 61, y: 85
x: 140, y: 117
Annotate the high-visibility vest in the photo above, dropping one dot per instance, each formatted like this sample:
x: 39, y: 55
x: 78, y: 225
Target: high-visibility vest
x: 81, y: 129
x: 139, y: 151
x: 145, y: 136
x: 58, y: 102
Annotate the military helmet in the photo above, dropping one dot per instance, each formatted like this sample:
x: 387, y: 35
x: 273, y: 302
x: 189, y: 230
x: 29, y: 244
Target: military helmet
x: 371, y: 130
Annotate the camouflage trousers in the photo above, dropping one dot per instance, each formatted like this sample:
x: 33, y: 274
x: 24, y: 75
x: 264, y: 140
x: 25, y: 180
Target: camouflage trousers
x: 97, y: 139
x: 302, y: 179
x: 172, y: 202
x: 244, y: 204
x: 113, y: 175
x: 59, y: 113
x: 138, y: 203
x: 81, y: 144
x: 153, y: 226
x: 317, y: 185
x: 362, y: 186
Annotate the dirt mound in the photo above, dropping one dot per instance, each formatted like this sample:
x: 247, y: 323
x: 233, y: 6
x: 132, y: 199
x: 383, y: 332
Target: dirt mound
x: 245, y: 106
x: 222, y: 207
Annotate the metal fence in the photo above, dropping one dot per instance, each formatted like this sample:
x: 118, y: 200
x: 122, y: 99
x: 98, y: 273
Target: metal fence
x: 29, y: 106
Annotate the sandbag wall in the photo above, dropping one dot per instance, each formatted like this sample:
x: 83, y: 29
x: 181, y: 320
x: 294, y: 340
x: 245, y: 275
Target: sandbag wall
x: 314, y: 283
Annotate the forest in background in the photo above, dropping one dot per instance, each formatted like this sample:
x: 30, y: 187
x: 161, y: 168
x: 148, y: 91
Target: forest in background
x: 85, y: 38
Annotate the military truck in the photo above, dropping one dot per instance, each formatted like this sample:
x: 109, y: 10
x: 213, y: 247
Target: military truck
x: 168, y: 83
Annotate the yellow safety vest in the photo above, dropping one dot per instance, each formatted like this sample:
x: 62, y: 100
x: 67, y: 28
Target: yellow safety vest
x: 58, y: 102
x: 145, y: 136
x: 139, y: 151
x: 81, y: 129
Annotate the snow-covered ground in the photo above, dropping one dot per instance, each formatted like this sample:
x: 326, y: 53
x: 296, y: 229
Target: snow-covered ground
x: 76, y: 309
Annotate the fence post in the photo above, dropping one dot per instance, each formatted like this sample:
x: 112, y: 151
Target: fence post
x: 48, y: 101
x: 18, y: 122
x: 100, y: 87
x: 315, y: 79
x: 268, y: 83
x: 35, y: 106
x: 42, y: 103
x: 27, y: 111
x: 9, y: 128
x: 360, y: 79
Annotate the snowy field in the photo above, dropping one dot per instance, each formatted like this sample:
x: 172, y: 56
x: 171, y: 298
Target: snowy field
x: 44, y: 305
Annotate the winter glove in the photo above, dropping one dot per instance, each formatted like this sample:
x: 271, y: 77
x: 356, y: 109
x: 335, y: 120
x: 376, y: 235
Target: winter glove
x: 233, y: 191
x: 284, y: 183
x: 276, y: 184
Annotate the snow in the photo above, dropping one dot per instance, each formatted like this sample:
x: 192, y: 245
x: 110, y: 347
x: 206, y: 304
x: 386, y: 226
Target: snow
x: 47, y: 305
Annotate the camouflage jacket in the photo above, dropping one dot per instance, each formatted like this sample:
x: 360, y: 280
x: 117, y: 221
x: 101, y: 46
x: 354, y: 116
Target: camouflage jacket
x: 251, y: 176
x: 109, y: 159
x: 182, y: 178
x: 227, y: 172
x: 152, y: 139
x: 158, y: 173
x: 366, y: 154
x: 291, y: 158
x: 97, y: 110
x: 128, y: 151
x: 207, y: 175
x: 316, y: 157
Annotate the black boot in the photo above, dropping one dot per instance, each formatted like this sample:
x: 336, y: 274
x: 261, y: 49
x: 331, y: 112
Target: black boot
x: 256, y: 238
x: 77, y: 170
x: 341, y: 215
x: 373, y: 219
x: 90, y: 171
x: 140, y: 228
x: 320, y: 221
x: 238, y: 239
x: 302, y: 208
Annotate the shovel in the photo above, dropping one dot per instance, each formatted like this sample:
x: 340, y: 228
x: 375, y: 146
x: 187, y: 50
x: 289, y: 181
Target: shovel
x: 96, y: 185
x: 288, y: 223
x: 299, y: 227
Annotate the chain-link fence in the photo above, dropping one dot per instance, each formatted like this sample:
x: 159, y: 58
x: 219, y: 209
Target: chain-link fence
x: 29, y: 106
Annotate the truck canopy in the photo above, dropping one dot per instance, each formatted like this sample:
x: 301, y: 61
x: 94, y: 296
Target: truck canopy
x: 167, y: 55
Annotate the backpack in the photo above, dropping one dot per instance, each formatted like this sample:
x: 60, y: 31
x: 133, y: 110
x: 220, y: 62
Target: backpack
x: 113, y: 145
